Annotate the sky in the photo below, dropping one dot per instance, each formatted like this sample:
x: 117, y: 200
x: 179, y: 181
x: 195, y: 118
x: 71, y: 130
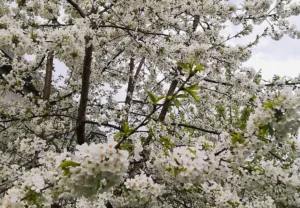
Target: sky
x: 273, y: 57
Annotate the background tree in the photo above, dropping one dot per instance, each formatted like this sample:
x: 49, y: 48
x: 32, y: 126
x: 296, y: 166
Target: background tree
x: 195, y: 129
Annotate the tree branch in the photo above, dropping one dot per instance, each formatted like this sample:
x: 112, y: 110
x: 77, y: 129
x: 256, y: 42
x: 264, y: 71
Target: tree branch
x: 106, y: 124
x: 139, y: 68
x: 167, y: 102
x: 48, y: 76
x: 139, y: 126
x: 216, y: 82
x: 219, y: 152
x: 195, y: 127
x: 77, y: 8
x: 7, y: 53
x: 282, y: 84
x: 87, y: 65
x: 132, y: 80
x: 196, y: 22
x: 130, y: 87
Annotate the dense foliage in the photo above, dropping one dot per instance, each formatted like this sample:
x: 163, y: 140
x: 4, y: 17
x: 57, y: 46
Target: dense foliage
x: 195, y: 129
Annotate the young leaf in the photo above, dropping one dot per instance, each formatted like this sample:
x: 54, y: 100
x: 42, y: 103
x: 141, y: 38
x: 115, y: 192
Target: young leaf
x: 15, y: 40
x: 160, y: 98
x: 181, y: 96
x: 183, y: 65
x: 199, y: 68
x: 126, y: 146
x: 194, y: 87
x: 152, y: 97
x: 118, y: 135
x: 193, y: 94
x: 65, y: 166
x: 125, y: 127
x: 192, y: 151
x: 269, y: 105
x: 3, y: 26
x: 176, y: 103
x: 68, y: 163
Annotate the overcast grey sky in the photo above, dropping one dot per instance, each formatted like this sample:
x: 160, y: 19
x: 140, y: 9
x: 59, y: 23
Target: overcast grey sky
x: 273, y: 57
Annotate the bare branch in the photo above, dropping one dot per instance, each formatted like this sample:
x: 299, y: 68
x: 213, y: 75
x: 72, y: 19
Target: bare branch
x: 130, y: 87
x: 48, y: 77
x: 217, y: 82
x: 167, y: 102
x: 87, y: 65
x: 139, y: 68
x: 77, y: 8
x: 132, y: 80
x: 7, y: 53
x: 220, y: 152
x: 196, y: 22
x: 139, y: 126
x: 196, y: 128
x: 282, y: 84
x: 106, y: 124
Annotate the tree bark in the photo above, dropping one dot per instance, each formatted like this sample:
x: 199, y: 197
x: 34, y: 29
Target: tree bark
x: 167, y: 102
x: 130, y: 87
x: 131, y: 82
x: 87, y: 65
x: 77, y: 8
x: 196, y: 22
x: 48, y: 76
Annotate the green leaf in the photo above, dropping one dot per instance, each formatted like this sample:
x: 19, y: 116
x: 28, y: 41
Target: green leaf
x: 162, y: 50
x: 271, y: 130
x: 32, y: 198
x: 20, y: 3
x: 65, y: 37
x: 221, y: 111
x: 160, y: 98
x: 65, y: 166
x: 126, y: 146
x: 183, y: 65
x: 293, y: 146
x: 177, y: 170
x: 152, y: 97
x: 68, y: 163
x: 182, y: 96
x: 237, y: 138
x: 3, y: 26
x: 15, y: 40
x: 128, y: 132
x: 166, y: 141
x: 118, y: 135
x: 33, y: 37
x: 166, y: 151
x: 199, y: 68
x: 194, y: 87
x: 125, y: 127
x: 176, y: 102
x: 191, y: 151
x: 187, y: 71
x: 74, y: 54
x: 269, y: 105
x: 193, y: 94
x: 233, y: 204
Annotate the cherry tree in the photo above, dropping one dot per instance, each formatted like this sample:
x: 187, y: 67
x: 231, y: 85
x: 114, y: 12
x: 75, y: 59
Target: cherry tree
x: 194, y: 129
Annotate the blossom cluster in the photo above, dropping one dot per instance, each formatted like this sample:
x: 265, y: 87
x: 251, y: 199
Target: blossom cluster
x: 94, y: 168
x: 140, y: 191
x: 195, y: 128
